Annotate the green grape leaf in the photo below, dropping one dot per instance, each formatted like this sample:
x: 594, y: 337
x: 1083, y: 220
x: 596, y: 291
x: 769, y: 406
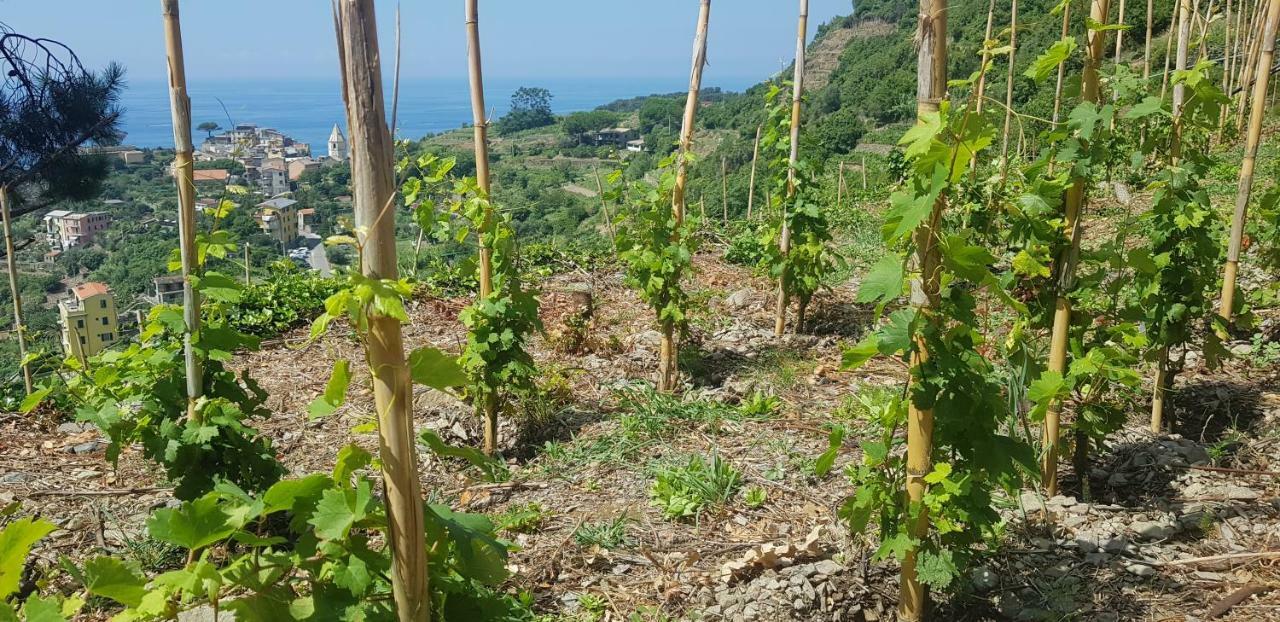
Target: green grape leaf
x: 192, y: 525
x: 856, y: 356
x: 936, y: 569
x: 1049, y: 60
x: 350, y: 459
x: 335, y: 391
x: 433, y: 368
x: 883, y: 282
x: 494, y: 470
x: 340, y: 509
x: 111, y: 578
x: 835, y: 439
x: 15, y: 543
x: 480, y: 556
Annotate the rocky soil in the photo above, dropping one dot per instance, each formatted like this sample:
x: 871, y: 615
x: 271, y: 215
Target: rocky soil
x: 1176, y: 527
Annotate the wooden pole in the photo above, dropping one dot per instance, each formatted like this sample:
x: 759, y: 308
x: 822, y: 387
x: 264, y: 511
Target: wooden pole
x: 604, y: 208
x: 180, y: 107
x: 1227, y: 62
x: 1062, y: 67
x: 1075, y: 200
x: 980, y: 91
x: 248, y: 278
x: 1245, y: 82
x: 1257, y: 113
x: 1168, y: 51
x: 724, y: 191
x: 669, y: 350
x: 931, y: 89
x: 1175, y: 151
x: 480, y: 127
x: 1119, y: 33
x: 1008, y: 90
x: 840, y: 184
x: 751, y: 185
x: 1180, y: 64
x: 373, y: 191
x: 784, y: 239
x: 10, y: 259
x: 1146, y: 47
x: 864, y: 172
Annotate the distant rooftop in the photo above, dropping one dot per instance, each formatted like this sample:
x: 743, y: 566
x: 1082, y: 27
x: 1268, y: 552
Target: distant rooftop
x: 89, y: 290
x: 210, y: 174
x: 278, y: 203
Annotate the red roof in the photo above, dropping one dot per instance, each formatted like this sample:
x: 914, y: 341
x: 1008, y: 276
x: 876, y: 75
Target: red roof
x: 89, y: 290
x: 210, y: 174
x: 310, y: 211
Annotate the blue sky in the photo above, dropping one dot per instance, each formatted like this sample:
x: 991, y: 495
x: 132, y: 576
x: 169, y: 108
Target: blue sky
x: 536, y: 38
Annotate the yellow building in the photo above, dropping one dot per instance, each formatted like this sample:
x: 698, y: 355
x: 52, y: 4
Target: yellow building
x: 279, y: 219
x: 89, y: 320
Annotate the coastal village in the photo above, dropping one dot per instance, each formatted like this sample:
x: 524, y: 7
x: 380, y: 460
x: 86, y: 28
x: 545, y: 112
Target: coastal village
x: 270, y: 165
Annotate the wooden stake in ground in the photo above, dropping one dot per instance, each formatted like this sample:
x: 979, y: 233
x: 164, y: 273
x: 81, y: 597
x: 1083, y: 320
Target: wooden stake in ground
x: 180, y: 107
x: 864, y: 172
x: 1008, y: 91
x: 373, y: 192
x: 480, y: 130
x: 1146, y: 47
x: 1257, y: 112
x: 10, y: 259
x: 840, y: 184
x: 724, y: 191
x: 1075, y: 201
x: 1119, y: 33
x: 784, y: 239
x: 931, y: 88
x: 604, y: 209
x: 248, y: 276
x: 1161, y: 387
x: 751, y: 185
x: 668, y: 350
x: 1062, y: 67
x: 1168, y: 51
x: 980, y: 91
x: 1246, y: 74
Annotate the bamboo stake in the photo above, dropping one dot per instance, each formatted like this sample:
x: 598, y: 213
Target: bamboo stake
x: 668, y: 350
x: 1119, y: 33
x: 1168, y: 52
x: 980, y: 91
x: 840, y: 184
x: 864, y: 172
x: 1227, y: 63
x: 784, y: 241
x: 1257, y: 112
x: 180, y: 107
x: 1146, y: 47
x: 724, y: 191
x: 604, y: 208
x: 751, y: 185
x: 1250, y: 60
x: 480, y: 129
x: 1008, y: 91
x: 1180, y: 63
x: 10, y: 259
x: 248, y: 278
x: 1062, y: 67
x: 931, y: 89
x: 1159, y: 393
x: 373, y: 191
x: 1072, y: 223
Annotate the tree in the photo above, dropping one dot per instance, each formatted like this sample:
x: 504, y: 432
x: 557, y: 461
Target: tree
x: 50, y: 106
x: 208, y: 127
x: 578, y: 124
x: 530, y: 108
x: 660, y: 112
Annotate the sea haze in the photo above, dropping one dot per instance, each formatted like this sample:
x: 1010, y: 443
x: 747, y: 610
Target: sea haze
x: 306, y: 109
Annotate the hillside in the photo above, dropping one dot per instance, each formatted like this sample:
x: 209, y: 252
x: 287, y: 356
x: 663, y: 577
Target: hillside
x: 898, y: 433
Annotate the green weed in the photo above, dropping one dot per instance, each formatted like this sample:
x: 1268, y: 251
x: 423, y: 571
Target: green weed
x: 609, y: 535
x: 685, y: 490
